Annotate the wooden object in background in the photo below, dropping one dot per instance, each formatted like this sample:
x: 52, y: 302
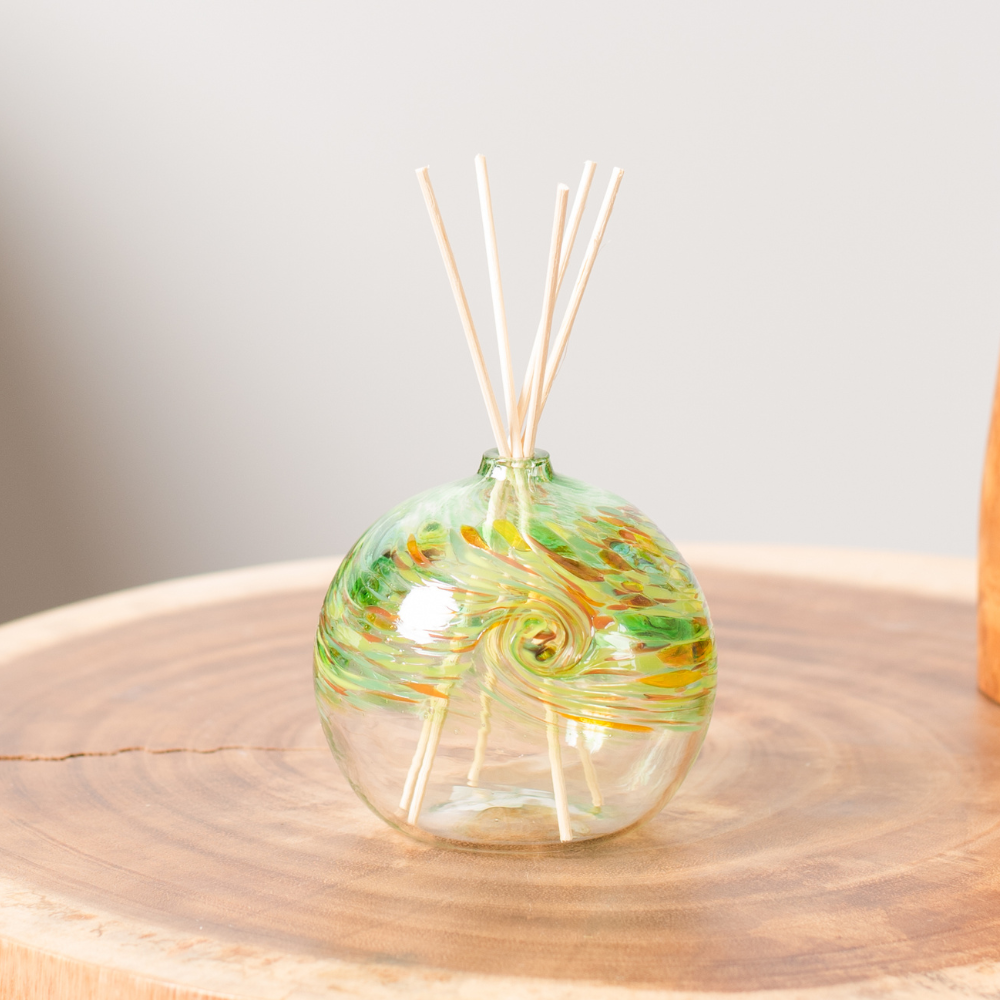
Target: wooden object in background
x: 173, y: 828
x: 989, y: 561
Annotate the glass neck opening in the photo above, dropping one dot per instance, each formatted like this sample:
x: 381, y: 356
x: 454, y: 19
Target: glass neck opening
x: 538, y: 467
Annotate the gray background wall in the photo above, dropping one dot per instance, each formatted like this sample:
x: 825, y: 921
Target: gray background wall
x: 226, y: 336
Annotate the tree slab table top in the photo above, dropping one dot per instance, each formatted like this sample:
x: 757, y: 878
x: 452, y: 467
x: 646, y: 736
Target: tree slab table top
x: 172, y: 824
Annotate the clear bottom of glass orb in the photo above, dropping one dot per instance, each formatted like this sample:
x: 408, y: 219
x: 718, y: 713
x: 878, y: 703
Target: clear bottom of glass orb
x: 467, y: 772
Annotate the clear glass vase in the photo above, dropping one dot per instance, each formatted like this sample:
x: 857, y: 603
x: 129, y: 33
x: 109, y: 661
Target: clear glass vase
x: 514, y: 660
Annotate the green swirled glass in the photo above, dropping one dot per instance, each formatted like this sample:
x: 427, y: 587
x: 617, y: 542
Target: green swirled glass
x: 514, y: 659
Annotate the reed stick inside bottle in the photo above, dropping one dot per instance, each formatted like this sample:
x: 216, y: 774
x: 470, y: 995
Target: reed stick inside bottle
x: 558, y: 775
x: 590, y: 773
x: 438, y: 712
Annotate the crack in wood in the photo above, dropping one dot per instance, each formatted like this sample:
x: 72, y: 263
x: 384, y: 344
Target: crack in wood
x: 153, y: 750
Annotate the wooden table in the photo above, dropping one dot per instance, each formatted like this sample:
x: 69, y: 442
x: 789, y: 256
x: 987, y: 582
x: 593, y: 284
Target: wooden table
x: 172, y: 826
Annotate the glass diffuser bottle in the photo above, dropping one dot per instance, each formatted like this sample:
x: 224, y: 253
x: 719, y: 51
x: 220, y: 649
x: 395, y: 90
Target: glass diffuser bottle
x: 515, y: 659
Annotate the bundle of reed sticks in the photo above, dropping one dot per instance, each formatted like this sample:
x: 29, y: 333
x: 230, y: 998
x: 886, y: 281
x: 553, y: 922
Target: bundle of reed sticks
x: 524, y: 407
x: 516, y: 439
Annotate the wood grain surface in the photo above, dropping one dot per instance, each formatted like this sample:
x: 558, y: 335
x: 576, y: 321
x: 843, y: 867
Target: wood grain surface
x: 171, y: 825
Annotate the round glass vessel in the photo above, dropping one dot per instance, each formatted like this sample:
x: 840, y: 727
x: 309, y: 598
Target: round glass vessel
x: 514, y: 659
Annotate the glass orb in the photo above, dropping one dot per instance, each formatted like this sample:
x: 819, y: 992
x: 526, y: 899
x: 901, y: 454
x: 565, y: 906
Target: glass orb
x: 516, y: 659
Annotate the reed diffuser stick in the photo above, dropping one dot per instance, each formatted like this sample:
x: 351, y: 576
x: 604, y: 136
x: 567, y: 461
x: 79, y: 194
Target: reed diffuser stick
x: 573, y: 307
x: 485, y: 703
x: 575, y: 216
x: 569, y: 239
x: 590, y: 773
x: 418, y: 759
x: 478, y: 361
x: 499, y: 310
x: 438, y: 712
x: 558, y: 777
x: 545, y: 326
